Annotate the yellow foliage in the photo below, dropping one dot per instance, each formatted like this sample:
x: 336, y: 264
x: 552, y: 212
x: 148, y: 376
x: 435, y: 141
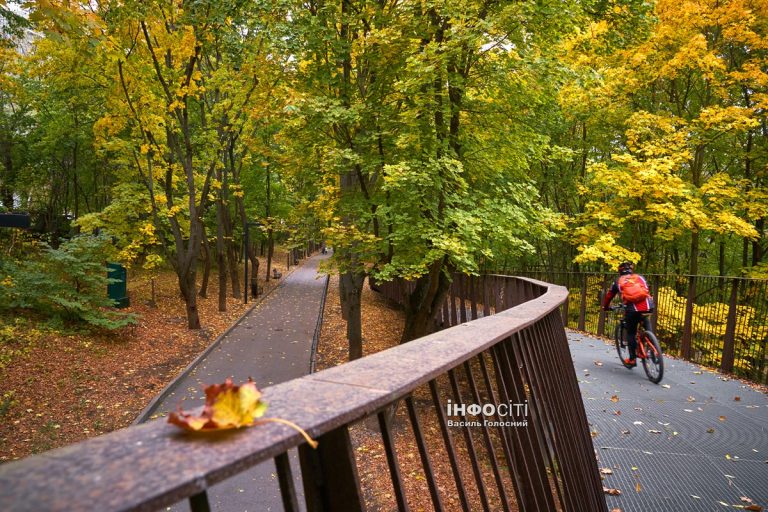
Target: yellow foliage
x: 605, y: 249
x: 708, y: 326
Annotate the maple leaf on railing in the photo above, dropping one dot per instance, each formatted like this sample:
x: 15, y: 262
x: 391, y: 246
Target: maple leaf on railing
x: 230, y: 406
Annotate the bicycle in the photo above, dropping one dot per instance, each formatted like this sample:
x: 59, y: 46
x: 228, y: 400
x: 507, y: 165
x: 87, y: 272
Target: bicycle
x: 648, y: 348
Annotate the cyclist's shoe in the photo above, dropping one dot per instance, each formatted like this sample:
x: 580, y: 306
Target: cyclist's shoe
x: 630, y: 362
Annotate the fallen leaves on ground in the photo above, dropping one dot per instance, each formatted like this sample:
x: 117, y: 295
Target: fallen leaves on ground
x: 99, y: 381
x: 611, y: 492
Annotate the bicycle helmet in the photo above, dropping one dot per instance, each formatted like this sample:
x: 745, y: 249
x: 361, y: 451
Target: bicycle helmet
x: 626, y: 268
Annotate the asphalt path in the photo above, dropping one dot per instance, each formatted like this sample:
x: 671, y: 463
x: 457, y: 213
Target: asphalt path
x: 271, y: 344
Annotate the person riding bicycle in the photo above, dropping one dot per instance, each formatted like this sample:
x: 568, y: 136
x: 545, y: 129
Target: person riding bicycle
x: 637, y: 297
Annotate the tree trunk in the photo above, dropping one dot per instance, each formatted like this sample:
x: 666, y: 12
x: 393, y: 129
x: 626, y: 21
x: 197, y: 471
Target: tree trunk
x: 270, y: 252
x: 757, y: 245
x: 268, y: 213
x: 721, y: 258
x: 424, y: 302
x: 9, y: 174
x: 231, y: 254
x: 693, y: 269
x: 221, y: 261
x: 226, y: 218
x: 351, y: 289
x: 206, y: 266
x: 187, y: 285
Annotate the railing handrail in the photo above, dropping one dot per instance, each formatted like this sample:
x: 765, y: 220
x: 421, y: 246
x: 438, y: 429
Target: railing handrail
x: 154, y: 465
x: 650, y: 274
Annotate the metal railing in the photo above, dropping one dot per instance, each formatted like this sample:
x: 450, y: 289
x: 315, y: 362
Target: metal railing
x: 720, y: 322
x: 516, y: 354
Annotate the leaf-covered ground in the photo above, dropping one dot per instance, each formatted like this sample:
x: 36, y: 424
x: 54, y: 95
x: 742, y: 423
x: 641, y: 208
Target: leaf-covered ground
x: 61, y: 388
x: 382, y: 327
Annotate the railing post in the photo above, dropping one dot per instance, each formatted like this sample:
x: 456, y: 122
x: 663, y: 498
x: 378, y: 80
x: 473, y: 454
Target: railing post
x: 583, y: 305
x: 726, y: 365
x: 329, y: 474
x: 685, y: 346
x: 601, y: 314
x: 655, y: 295
x: 564, y: 310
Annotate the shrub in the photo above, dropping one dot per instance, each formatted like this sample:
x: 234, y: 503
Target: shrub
x: 69, y: 282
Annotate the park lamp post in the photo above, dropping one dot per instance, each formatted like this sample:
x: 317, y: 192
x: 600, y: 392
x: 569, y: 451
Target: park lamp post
x: 246, y: 230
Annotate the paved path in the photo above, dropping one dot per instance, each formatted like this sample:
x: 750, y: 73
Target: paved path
x: 712, y: 449
x: 272, y: 344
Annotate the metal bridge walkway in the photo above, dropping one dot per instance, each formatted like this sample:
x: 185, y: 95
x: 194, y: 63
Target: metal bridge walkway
x: 697, y: 441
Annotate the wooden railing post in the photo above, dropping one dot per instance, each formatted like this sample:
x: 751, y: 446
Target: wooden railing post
x: 601, y: 315
x: 329, y: 474
x: 726, y: 365
x: 583, y: 305
x: 655, y: 295
x: 685, y: 346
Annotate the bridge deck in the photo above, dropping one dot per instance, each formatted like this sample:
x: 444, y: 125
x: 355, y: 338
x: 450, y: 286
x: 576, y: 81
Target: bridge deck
x: 711, y: 448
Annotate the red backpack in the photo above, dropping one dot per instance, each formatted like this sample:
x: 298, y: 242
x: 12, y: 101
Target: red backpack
x: 633, y: 289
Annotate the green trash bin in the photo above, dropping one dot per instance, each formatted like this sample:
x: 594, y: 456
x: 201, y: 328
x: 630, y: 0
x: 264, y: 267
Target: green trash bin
x: 118, y: 289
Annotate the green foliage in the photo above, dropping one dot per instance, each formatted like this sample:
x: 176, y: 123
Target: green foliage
x: 69, y: 282
x: 127, y: 219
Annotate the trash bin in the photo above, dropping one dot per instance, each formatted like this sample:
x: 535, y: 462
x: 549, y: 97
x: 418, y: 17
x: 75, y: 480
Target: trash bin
x: 118, y: 289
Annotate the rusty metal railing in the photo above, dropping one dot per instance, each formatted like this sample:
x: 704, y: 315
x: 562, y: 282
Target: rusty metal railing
x: 506, y: 347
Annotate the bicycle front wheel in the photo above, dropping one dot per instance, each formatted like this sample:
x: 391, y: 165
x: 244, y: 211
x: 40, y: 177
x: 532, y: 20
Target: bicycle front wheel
x: 653, y: 364
x: 621, y: 344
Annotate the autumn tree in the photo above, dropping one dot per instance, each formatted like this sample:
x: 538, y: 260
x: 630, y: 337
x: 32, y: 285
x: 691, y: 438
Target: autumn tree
x: 182, y: 89
x: 424, y: 168
x: 688, y: 96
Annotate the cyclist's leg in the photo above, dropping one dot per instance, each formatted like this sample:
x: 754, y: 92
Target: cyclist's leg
x: 632, y: 318
x: 647, y: 321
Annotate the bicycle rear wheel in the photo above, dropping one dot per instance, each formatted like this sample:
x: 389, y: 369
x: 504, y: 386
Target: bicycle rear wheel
x: 653, y: 364
x: 622, y: 348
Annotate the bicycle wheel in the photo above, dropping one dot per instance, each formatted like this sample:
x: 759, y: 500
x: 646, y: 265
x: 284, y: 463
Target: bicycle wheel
x: 653, y: 364
x: 621, y: 344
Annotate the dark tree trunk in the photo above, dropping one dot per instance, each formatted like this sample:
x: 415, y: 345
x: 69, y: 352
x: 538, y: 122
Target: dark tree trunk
x: 206, y: 266
x: 745, y: 254
x: 693, y: 269
x: 270, y: 253
x: 9, y: 173
x: 758, y: 250
x: 188, y: 291
x: 351, y: 289
x: 268, y: 212
x: 721, y: 258
x: 425, y: 301
x: 221, y: 261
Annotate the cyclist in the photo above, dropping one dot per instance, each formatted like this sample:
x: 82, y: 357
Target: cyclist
x: 637, y: 297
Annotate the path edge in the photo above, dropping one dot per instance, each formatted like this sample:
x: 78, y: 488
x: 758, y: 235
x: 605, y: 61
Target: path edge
x: 146, y: 413
x: 318, y: 328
